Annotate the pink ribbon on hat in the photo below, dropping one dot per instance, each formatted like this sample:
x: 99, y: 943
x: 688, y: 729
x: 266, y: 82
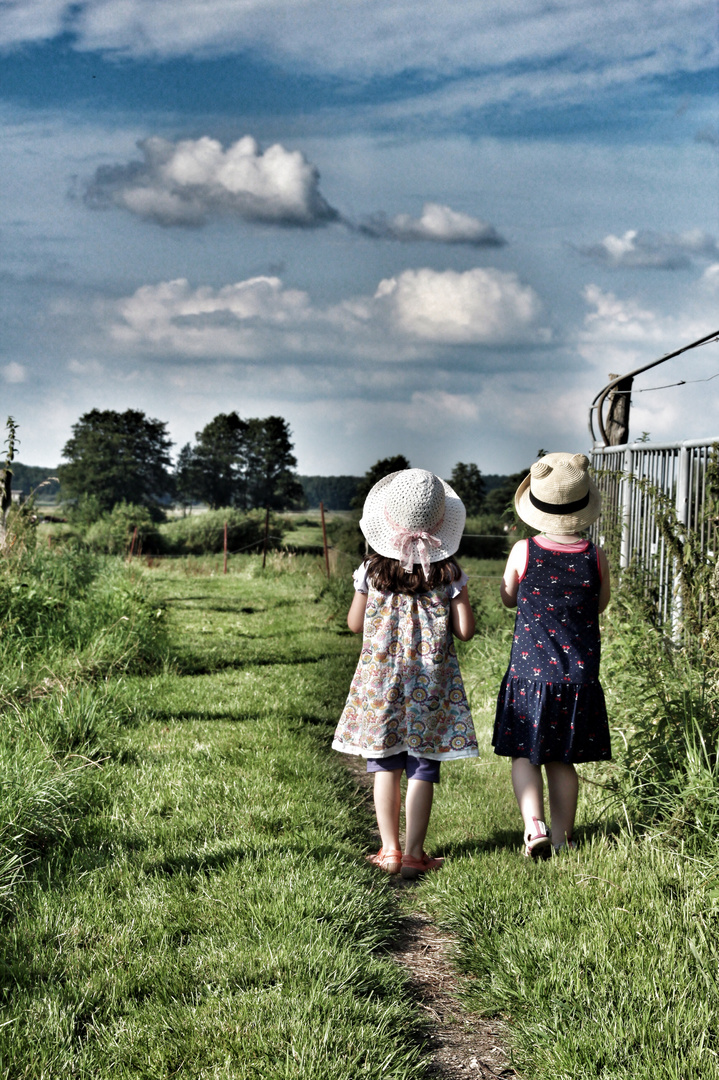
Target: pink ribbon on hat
x: 404, y: 540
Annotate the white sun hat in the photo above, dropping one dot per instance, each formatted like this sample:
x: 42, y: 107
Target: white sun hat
x: 559, y: 495
x: 413, y: 516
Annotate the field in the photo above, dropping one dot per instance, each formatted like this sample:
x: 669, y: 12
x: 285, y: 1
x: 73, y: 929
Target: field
x: 198, y: 904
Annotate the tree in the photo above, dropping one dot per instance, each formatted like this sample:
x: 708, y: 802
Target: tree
x: 243, y: 463
x: 376, y: 472
x: 469, y: 484
x: 117, y: 457
x: 500, y: 500
x: 269, y: 477
x: 212, y: 470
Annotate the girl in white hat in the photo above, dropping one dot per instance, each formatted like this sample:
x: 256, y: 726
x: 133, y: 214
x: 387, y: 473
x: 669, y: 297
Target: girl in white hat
x: 407, y: 709
x: 551, y: 710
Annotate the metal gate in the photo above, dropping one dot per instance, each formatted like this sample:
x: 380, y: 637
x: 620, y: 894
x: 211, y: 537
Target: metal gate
x: 629, y: 478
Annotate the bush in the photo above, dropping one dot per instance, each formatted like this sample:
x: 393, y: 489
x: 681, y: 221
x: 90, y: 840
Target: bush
x: 113, y: 532
x: 69, y: 614
x: 201, y: 534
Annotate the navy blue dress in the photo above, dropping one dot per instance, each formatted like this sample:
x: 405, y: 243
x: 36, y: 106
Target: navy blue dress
x: 551, y: 705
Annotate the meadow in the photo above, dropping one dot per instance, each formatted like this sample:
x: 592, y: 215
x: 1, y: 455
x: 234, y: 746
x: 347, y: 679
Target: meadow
x: 183, y: 881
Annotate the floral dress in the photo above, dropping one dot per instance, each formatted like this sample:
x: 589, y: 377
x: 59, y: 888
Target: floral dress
x: 551, y: 704
x: 407, y: 692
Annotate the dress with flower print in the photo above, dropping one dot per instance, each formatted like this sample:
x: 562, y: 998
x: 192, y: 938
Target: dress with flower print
x: 407, y: 692
x: 551, y: 704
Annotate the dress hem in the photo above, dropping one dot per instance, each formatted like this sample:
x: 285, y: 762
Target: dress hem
x: 447, y: 755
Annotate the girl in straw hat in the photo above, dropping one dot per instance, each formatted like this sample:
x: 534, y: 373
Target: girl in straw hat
x: 551, y: 709
x: 407, y: 709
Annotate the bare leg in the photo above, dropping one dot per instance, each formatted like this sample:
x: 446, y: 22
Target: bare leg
x: 387, y: 802
x: 529, y: 791
x: 563, y: 785
x: 418, y: 806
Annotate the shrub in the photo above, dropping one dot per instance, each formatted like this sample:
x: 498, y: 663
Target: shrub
x: 66, y: 613
x: 113, y: 532
x: 200, y: 534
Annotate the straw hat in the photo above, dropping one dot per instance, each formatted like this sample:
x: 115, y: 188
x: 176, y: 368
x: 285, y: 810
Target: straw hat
x: 559, y: 496
x: 413, y: 516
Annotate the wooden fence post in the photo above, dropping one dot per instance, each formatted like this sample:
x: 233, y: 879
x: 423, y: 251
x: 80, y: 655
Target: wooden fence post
x: 324, y: 539
x: 225, y: 547
x: 267, y: 530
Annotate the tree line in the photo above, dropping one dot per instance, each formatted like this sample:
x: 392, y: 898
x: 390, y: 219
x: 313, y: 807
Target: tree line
x: 114, y: 457
x: 124, y: 457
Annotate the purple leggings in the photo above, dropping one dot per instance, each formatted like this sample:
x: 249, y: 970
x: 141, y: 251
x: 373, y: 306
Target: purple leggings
x: 417, y: 768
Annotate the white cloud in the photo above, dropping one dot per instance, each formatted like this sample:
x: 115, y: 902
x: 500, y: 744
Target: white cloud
x: 362, y: 38
x: 252, y: 319
x: 617, y: 320
x: 438, y: 223
x: 653, y: 250
x: 14, y: 373
x: 479, y: 306
x: 206, y: 321
x: 674, y: 401
x: 190, y: 181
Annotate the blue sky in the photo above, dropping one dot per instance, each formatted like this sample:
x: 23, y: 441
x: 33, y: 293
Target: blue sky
x: 406, y: 227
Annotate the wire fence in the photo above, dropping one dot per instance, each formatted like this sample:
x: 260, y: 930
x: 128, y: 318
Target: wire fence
x: 635, y: 479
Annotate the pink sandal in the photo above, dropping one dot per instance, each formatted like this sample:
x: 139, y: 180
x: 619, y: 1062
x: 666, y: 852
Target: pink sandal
x: 538, y: 844
x: 412, y: 868
x: 389, y: 861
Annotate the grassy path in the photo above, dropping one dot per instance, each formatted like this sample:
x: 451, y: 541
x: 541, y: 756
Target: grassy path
x: 211, y: 917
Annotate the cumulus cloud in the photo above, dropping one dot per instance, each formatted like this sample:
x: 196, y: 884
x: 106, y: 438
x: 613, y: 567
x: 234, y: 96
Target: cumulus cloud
x: 653, y: 250
x: 479, y: 306
x: 408, y: 316
x: 438, y: 223
x: 203, y: 321
x: 190, y: 181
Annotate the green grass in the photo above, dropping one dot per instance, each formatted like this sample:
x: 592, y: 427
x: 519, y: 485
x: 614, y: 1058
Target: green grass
x: 603, y: 962
x: 211, y: 914
x: 199, y: 905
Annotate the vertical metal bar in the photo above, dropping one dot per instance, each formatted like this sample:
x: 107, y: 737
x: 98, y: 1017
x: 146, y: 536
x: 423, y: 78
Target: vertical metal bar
x: 625, y: 488
x: 681, y: 507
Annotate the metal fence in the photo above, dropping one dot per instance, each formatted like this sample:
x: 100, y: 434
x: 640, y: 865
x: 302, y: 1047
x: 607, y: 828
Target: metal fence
x: 627, y: 477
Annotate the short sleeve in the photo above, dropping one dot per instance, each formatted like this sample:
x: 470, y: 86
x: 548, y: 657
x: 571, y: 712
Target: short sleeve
x: 360, y: 579
x: 457, y: 586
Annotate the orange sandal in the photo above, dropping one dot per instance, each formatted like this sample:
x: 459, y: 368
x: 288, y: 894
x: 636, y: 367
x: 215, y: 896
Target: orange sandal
x: 389, y: 861
x: 412, y: 868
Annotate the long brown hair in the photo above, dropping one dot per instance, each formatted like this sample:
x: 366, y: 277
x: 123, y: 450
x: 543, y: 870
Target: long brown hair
x: 387, y: 575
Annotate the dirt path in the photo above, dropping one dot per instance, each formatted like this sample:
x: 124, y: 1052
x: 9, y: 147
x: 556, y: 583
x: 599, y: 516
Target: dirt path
x: 462, y: 1045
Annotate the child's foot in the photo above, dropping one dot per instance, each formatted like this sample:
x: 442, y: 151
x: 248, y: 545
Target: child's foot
x: 389, y: 861
x: 538, y: 841
x: 412, y: 868
x: 566, y: 845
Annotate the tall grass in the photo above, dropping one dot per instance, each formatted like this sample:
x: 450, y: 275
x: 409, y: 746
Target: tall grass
x: 68, y: 621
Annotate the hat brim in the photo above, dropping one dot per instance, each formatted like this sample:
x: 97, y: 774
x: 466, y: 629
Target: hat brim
x: 378, y: 533
x: 557, y: 523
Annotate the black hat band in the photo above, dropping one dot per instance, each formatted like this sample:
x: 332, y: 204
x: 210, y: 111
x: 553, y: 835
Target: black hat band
x: 559, y: 508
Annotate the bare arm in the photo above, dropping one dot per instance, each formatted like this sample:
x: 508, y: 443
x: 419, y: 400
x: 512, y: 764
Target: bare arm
x: 516, y: 565
x: 463, y: 625
x: 605, y: 589
x: 355, y: 615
